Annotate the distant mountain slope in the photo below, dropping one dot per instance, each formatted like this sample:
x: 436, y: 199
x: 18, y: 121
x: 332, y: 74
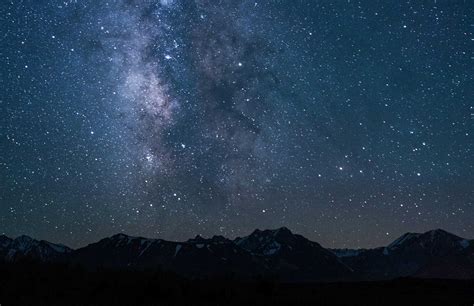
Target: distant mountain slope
x: 434, y: 254
x: 269, y: 253
x: 25, y: 247
x: 293, y: 256
x: 277, y: 253
x: 198, y: 257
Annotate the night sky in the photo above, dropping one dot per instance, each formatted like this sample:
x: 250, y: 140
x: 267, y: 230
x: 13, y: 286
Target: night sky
x: 349, y: 122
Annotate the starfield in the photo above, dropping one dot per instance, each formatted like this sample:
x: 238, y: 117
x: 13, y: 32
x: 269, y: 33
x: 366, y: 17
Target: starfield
x: 342, y: 129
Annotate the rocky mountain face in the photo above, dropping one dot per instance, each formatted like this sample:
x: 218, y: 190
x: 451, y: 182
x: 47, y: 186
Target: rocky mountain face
x: 276, y: 253
x: 269, y: 253
x: 293, y: 257
x: 434, y: 254
x: 25, y: 247
x: 197, y: 257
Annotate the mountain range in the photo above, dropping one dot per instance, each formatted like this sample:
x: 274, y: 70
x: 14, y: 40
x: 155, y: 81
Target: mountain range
x: 277, y: 253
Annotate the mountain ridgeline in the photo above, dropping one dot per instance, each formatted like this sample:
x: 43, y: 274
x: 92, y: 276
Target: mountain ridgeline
x: 277, y: 254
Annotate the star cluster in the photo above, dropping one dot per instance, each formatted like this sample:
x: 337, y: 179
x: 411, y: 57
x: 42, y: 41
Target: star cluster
x: 349, y: 122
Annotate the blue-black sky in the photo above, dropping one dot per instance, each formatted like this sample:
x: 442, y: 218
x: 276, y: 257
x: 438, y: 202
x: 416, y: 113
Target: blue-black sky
x: 350, y: 122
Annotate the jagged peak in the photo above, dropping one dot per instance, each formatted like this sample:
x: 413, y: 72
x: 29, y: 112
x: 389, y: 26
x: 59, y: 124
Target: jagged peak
x: 121, y: 239
x: 120, y: 236
x: 219, y: 238
x: 271, y: 240
x: 402, y: 239
x: 24, y: 238
x: 425, y: 239
x: 440, y: 233
x: 274, y: 232
x: 197, y: 239
x: 24, y: 241
x: 283, y: 229
x: 214, y: 239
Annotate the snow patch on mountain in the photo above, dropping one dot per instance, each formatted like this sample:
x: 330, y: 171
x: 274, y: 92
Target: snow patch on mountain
x: 176, y: 251
x: 464, y: 243
x: 271, y: 249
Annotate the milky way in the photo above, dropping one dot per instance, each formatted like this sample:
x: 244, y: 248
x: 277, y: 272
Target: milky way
x: 349, y: 122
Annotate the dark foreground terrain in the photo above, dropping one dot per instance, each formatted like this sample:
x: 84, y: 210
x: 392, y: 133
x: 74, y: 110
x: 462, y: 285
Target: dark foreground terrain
x: 30, y: 283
